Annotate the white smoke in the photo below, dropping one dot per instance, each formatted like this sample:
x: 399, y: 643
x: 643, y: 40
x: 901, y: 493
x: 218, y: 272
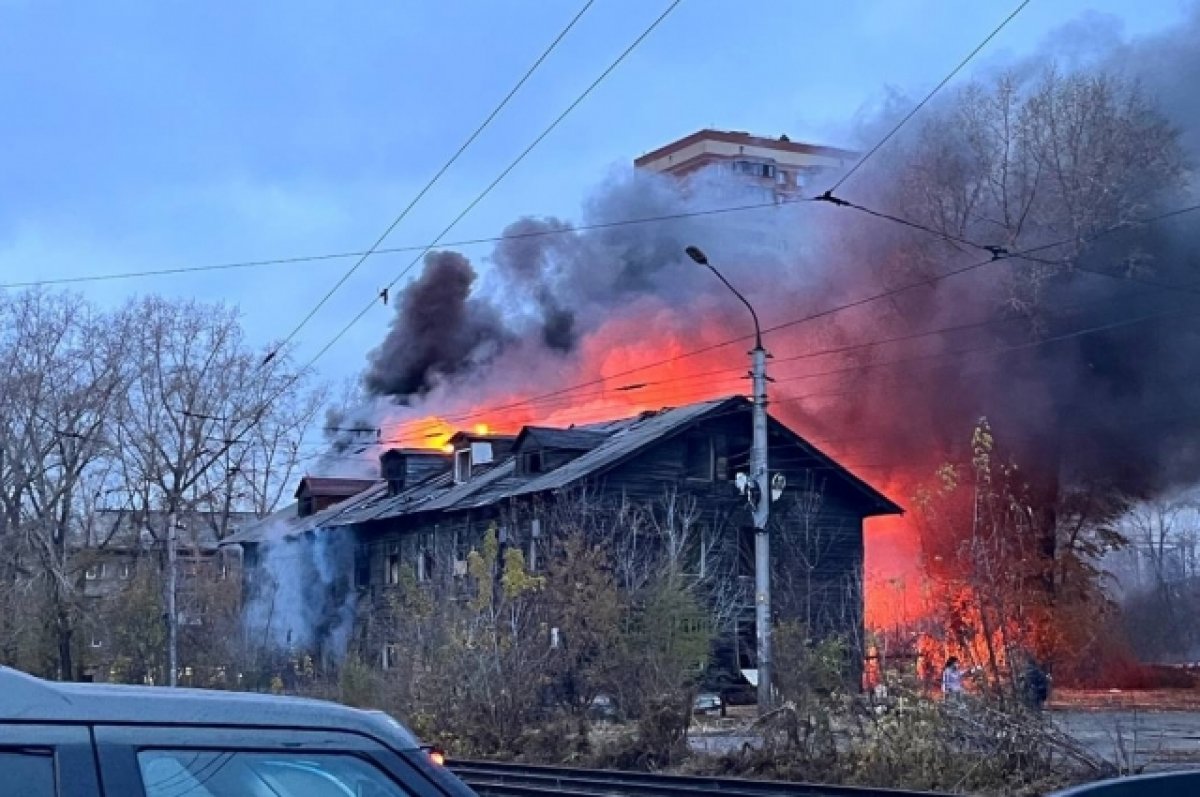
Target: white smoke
x: 303, y: 599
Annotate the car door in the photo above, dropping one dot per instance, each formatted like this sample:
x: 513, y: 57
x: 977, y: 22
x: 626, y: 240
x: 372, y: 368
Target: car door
x: 155, y: 761
x: 47, y: 761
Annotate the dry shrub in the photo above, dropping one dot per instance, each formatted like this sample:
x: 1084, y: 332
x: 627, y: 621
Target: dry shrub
x: 658, y: 741
x: 924, y: 747
x: 565, y: 740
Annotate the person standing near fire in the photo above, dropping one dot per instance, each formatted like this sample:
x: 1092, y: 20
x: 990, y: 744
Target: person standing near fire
x: 952, y: 680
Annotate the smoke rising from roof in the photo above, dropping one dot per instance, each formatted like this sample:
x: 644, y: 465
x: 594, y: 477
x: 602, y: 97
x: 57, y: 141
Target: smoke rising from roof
x: 1084, y: 361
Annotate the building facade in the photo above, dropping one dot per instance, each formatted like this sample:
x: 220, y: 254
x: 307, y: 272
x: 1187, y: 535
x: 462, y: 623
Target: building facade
x: 669, y: 476
x: 782, y: 168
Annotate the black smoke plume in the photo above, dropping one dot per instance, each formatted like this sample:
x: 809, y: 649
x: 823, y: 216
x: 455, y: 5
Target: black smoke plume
x: 440, y: 331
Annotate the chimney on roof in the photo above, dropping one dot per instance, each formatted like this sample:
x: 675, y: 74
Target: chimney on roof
x: 784, y: 138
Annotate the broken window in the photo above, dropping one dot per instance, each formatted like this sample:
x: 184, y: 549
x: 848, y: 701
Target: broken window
x: 425, y: 558
x: 391, y: 655
x: 462, y: 549
x: 535, y: 537
x: 698, y: 459
x: 392, y: 569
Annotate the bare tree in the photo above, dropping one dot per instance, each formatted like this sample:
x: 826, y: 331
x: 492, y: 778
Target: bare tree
x: 63, y: 372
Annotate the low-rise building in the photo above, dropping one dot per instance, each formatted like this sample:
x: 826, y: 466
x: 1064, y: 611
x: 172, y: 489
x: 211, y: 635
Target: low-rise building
x: 429, y: 510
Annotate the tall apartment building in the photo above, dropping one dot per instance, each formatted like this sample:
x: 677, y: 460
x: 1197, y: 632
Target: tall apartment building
x: 783, y: 167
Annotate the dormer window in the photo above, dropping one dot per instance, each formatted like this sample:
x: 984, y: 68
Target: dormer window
x: 462, y: 466
x: 533, y: 462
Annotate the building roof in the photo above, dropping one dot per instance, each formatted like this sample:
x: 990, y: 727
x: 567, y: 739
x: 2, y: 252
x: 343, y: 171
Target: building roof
x: 611, y: 443
x: 286, y: 522
x: 745, y: 139
x: 571, y: 439
x: 29, y: 699
x: 333, y: 487
x: 127, y: 530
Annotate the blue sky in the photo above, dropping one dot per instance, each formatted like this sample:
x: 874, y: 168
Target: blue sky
x: 153, y: 135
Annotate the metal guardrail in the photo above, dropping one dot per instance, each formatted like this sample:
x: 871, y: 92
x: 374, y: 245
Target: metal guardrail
x: 491, y: 779
x: 497, y: 779
x: 1166, y: 784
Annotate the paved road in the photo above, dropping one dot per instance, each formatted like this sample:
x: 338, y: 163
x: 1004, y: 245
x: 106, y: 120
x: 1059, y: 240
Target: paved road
x: 1154, y: 739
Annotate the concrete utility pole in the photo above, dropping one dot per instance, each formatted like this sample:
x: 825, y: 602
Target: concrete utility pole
x: 759, y: 488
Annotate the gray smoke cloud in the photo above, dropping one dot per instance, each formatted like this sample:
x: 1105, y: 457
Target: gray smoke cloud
x: 1088, y: 376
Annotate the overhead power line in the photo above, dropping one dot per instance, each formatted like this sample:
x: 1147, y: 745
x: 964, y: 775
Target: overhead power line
x: 244, y: 264
x: 438, y: 175
x: 274, y: 352
x: 929, y: 96
x: 830, y: 311
x: 698, y: 392
x: 504, y: 173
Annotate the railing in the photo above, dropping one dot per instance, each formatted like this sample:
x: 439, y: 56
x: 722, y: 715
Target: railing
x: 491, y: 779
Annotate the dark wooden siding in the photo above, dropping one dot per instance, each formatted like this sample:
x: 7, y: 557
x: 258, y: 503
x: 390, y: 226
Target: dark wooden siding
x: 816, y: 527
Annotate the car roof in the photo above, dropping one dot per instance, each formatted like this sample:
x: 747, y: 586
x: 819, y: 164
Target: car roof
x: 25, y: 698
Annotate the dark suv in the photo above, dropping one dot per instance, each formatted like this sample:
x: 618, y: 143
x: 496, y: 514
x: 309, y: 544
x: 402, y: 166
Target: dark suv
x: 87, y: 740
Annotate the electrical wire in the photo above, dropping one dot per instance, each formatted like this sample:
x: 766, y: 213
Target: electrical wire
x: 505, y: 172
x: 928, y: 97
x: 861, y: 301
x: 707, y: 390
x: 438, y: 175
x: 604, y: 225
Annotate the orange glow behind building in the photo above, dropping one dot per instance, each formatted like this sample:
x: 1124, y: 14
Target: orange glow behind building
x: 621, y: 371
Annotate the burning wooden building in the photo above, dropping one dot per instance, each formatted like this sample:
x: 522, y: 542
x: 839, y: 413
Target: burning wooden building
x: 675, y: 469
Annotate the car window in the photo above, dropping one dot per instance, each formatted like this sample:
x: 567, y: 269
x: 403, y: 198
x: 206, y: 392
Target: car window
x: 204, y: 773
x: 33, y: 769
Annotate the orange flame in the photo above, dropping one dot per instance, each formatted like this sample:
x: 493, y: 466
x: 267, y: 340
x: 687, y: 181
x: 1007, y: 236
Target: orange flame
x: 640, y: 362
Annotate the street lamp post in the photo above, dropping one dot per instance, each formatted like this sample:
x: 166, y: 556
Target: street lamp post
x: 760, y: 495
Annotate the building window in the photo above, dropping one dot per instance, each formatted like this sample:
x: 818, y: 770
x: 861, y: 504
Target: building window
x: 125, y: 571
x: 698, y: 458
x: 462, y: 465
x: 533, y: 462
x: 535, y: 537
x: 391, y: 655
x: 94, y: 572
x: 223, y: 572
x: 462, y: 549
x: 96, y: 641
x: 393, y: 569
x: 362, y: 569
x: 425, y: 558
